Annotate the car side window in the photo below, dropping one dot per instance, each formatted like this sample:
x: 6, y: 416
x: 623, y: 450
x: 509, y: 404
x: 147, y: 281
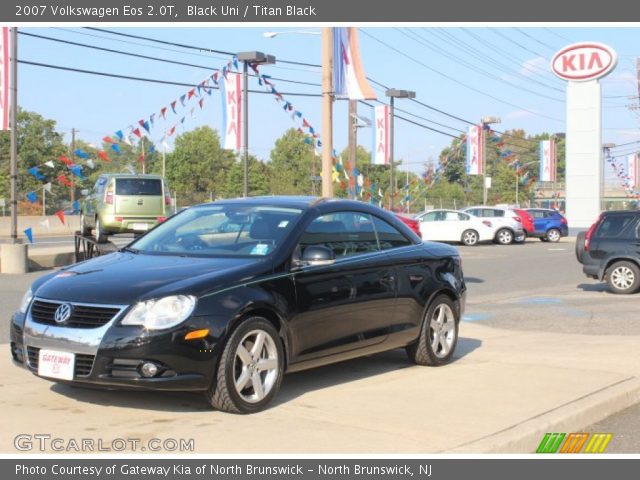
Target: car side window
x: 475, y: 211
x: 614, y: 226
x: 536, y: 213
x: 98, y: 188
x: 389, y: 236
x: 346, y: 233
x: 491, y: 212
x: 429, y: 217
x: 463, y: 217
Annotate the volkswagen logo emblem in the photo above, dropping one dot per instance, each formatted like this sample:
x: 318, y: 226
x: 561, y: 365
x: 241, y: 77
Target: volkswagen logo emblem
x: 63, y: 313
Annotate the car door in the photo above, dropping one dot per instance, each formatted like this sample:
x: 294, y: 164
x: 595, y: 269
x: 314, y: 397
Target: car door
x: 540, y: 221
x: 347, y: 305
x: 432, y: 226
x: 615, y: 235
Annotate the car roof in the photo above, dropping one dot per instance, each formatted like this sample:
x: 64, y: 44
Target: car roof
x: 296, y: 201
x: 131, y: 175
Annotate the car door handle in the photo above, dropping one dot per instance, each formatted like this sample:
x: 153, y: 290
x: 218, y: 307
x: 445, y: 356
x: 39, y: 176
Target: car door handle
x: 388, y: 280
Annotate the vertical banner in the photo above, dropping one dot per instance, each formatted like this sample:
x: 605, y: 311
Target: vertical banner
x: 231, y: 88
x: 632, y: 170
x: 349, y: 79
x: 475, y: 160
x: 547, y: 161
x: 381, y: 139
x: 4, y: 78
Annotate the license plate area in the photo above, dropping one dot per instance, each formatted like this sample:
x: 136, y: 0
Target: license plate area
x: 140, y: 227
x: 55, y: 364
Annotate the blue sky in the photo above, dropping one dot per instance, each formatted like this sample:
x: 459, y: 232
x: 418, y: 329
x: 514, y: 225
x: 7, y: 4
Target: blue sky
x: 514, y: 61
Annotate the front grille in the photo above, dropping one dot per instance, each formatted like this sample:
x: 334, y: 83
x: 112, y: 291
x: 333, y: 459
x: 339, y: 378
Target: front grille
x: 82, y: 316
x: 82, y: 368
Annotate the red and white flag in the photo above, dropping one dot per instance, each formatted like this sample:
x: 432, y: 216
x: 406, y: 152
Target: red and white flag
x: 349, y: 79
x: 547, y: 161
x: 4, y: 78
x: 232, y: 111
x: 381, y: 135
x: 475, y: 157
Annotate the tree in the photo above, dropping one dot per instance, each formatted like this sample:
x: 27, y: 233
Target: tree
x: 293, y: 162
x: 198, y: 166
x: 259, y: 178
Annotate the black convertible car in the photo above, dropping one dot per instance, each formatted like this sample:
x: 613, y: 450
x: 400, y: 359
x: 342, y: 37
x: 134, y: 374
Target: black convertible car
x: 226, y: 297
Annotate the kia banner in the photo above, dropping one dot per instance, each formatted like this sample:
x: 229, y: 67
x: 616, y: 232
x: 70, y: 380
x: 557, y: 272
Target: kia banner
x: 547, y: 161
x: 475, y: 154
x: 232, y: 110
x: 381, y: 135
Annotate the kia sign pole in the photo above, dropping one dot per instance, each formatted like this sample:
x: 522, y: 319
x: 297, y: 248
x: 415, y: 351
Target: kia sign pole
x: 393, y: 93
x: 582, y: 65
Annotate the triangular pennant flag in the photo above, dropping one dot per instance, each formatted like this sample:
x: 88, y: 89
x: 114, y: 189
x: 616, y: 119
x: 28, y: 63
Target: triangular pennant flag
x: 36, y: 173
x: 192, y: 112
x: 116, y: 148
x: 201, y: 103
x: 127, y: 139
x: 163, y: 112
x: 90, y: 163
x: 32, y: 197
x: 49, y: 164
x: 81, y: 153
x: 47, y: 187
x: 64, y: 159
x: 152, y: 119
x: 107, y: 139
x: 214, y: 77
x: 60, y: 215
x: 152, y: 148
x: 137, y: 133
x: 77, y: 171
x: 45, y: 223
x: 120, y: 135
x: 191, y: 93
x: 76, y: 206
x: 182, y: 120
x: 103, y: 155
x: 182, y: 97
x: 173, y: 106
x: 235, y: 61
x: 28, y: 232
x: 64, y: 180
x: 144, y: 125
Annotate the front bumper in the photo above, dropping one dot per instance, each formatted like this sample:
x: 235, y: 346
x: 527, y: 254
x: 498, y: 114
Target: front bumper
x: 111, y: 356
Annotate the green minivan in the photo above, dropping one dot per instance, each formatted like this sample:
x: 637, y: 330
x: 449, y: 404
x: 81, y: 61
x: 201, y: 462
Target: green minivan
x: 124, y: 203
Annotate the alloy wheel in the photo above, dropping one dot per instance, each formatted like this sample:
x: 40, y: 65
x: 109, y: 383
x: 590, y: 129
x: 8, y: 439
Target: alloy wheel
x: 255, y: 366
x: 442, y: 331
x: 622, y: 277
x: 505, y: 237
x: 553, y: 235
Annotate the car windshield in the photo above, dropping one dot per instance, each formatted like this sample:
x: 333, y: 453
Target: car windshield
x: 226, y: 230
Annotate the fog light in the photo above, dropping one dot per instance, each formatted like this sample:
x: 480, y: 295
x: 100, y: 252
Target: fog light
x: 149, y: 369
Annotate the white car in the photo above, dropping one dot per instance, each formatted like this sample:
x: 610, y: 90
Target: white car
x: 454, y: 226
x: 506, y: 223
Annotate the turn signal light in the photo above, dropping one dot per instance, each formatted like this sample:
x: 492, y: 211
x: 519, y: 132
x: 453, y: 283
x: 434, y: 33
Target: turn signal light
x: 161, y: 219
x: 196, y: 334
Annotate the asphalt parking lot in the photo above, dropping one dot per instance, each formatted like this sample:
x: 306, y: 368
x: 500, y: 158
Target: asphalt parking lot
x: 539, y: 342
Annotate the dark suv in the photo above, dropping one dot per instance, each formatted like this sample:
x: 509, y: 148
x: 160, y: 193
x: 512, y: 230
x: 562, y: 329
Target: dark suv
x: 610, y: 250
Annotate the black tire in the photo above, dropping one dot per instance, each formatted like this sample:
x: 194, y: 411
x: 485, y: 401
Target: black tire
x: 101, y: 235
x: 580, y: 246
x: 422, y: 351
x: 504, y: 236
x: 543, y: 239
x: 553, y: 235
x: 85, y: 230
x: 623, y: 277
x: 222, y: 394
x: 470, y: 238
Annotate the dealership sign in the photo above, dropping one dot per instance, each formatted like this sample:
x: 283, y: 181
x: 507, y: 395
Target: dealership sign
x: 584, y: 61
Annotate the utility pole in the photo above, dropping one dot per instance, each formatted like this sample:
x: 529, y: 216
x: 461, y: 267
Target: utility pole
x: 14, y: 135
x: 353, y: 140
x: 245, y: 129
x: 327, y: 111
x: 72, y: 196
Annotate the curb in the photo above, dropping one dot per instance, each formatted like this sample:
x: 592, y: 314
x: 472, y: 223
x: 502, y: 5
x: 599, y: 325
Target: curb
x: 570, y: 417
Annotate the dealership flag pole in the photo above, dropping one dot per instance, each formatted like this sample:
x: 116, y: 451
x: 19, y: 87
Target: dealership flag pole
x: 14, y: 135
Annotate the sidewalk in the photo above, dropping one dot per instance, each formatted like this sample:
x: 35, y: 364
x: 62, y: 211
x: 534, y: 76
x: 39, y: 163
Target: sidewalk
x: 503, y: 393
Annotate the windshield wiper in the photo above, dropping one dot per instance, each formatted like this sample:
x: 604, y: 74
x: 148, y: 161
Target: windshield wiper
x: 129, y: 249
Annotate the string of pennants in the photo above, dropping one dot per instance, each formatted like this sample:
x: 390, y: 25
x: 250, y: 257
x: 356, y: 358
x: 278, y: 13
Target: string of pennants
x: 627, y: 173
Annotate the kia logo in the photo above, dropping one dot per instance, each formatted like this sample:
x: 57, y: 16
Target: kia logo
x: 581, y: 62
x: 63, y: 313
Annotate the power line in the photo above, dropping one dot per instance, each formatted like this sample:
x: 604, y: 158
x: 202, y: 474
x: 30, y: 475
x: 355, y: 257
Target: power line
x: 537, y: 40
x: 453, y: 79
x: 147, y: 57
x: 151, y: 80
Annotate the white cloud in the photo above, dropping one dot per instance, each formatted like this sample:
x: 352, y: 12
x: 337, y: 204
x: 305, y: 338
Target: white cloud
x: 534, y: 66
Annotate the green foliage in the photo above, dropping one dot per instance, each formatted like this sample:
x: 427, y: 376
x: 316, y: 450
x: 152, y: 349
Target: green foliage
x: 259, y: 177
x: 293, y: 162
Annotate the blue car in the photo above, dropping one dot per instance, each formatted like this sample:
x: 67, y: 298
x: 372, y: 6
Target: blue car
x: 550, y: 225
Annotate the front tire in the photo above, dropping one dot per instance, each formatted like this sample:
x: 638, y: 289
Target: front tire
x: 504, y: 236
x: 438, y: 335
x: 250, y: 370
x: 470, y: 238
x: 623, y: 277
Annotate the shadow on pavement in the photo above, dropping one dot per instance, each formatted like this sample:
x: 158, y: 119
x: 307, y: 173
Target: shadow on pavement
x: 293, y: 386
x: 473, y: 280
x: 594, y: 287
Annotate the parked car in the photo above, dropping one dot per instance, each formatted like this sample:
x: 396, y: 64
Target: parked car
x: 305, y: 283
x: 610, y: 250
x: 412, y: 223
x: 454, y: 226
x: 527, y: 222
x: 549, y: 225
x: 506, y: 223
x: 122, y: 203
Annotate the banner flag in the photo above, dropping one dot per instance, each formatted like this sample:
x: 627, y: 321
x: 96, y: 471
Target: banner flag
x: 232, y: 110
x: 381, y: 138
x: 632, y: 170
x: 547, y: 161
x: 47, y: 187
x: 475, y: 160
x: 349, y: 79
x: 28, y: 232
x: 32, y: 197
x: 4, y: 78
x: 60, y: 215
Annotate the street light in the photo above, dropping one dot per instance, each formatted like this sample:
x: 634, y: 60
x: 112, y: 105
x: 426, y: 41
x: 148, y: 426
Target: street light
x: 394, y: 93
x: 249, y: 58
x: 286, y: 32
x: 486, y: 121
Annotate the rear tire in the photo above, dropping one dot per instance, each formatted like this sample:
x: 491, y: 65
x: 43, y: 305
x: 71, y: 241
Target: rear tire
x: 553, y: 235
x: 101, y: 235
x: 85, y: 230
x: 580, y: 246
x: 470, y: 238
x: 250, y: 370
x: 438, y: 335
x: 504, y: 236
x: 623, y: 277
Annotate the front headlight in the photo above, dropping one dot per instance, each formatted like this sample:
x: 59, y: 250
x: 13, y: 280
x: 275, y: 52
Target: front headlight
x: 26, y: 300
x: 162, y: 313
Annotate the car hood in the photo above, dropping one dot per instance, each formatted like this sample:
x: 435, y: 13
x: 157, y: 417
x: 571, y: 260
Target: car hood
x: 124, y: 278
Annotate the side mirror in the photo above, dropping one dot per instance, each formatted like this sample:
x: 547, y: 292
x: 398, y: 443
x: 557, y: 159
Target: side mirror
x: 318, y: 255
x: 84, y: 192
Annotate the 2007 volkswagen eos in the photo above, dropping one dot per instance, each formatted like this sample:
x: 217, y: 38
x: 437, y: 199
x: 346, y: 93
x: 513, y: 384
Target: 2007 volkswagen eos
x: 226, y: 297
